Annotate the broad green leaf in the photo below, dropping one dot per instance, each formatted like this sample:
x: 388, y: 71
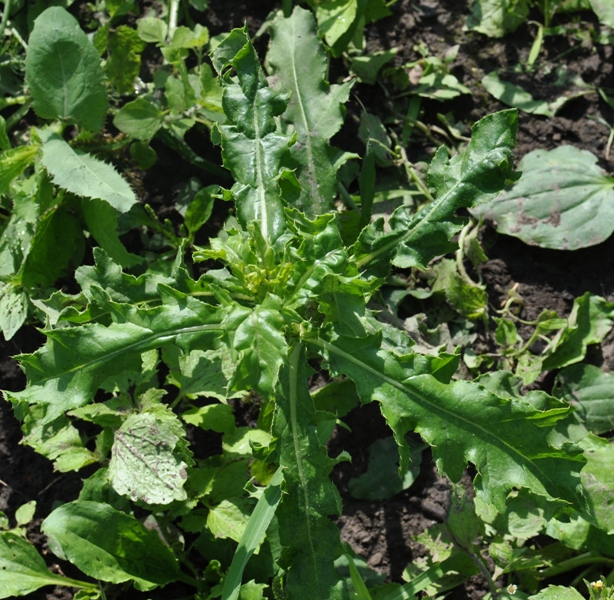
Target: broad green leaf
x: 63, y: 71
x: 148, y: 458
x: 59, y: 441
x: 217, y: 417
x: 252, y: 148
x: 563, y: 201
x: 13, y: 309
x: 604, y: 10
x: 152, y: 30
x: 517, y: 97
x: 338, y: 21
x: 13, y: 162
x: 124, y: 60
x: 144, y: 155
x: 309, y: 539
x: 590, y: 321
x: 462, y: 421
x: 117, y: 8
x: 184, y: 37
x: 241, y: 441
x: 57, y: 243
x: 471, y: 301
x: 367, y: 67
x: 468, y: 179
x: 83, y: 175
x: 591, y: 391
x: 495, y: 18
x: 261, y: 346
x: 382, y: 481
x: 598, y: 481
x: 140, y: 119
x: 557, y: 592
x: 23, y: 570
x: 200, y: 209
x: 110, y: 545
x: 25, y: 513
x: 462, y: 524
x: 102, y: 220
x: 206, y: 373
x: 229, y: 518
x: 257, y: 525
x: 75, y: 361
x: 299, y: 64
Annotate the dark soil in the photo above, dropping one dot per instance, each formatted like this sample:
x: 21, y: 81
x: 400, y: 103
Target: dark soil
x: 382, y: 532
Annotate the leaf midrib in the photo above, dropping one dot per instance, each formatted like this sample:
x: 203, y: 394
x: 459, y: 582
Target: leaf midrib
x: 170, y: 333
x: 436, y: 408
x: 426, y: 219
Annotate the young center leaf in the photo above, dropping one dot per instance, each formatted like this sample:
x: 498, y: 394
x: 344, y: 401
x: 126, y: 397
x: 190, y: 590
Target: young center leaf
x: 63, y: 71
x: 299, y: 64
x: 253, y: 149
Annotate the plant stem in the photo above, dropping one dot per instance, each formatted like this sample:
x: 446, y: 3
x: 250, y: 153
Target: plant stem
x: 5, y: 16
x: 460, y: 255
x: 413, y: 175
x: 485, y: 572
x: 347, y: 199
x: 173, y: 11
x: 17, y: 115
x: 577, y: 561
x: 4, y: 102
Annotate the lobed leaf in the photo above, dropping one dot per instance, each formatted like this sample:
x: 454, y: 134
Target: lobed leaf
x: 68, y: 370
x: 462, y: 421
x: 258, y: 339
x: 253, y: 149
x: 299, y: 64
x: 84, y: 175
x: 591, y: 391
x: 471, y: 178
x: 310, y: 540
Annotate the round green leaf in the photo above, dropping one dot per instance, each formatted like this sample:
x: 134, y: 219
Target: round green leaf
x: 139, y: 119
x: 563, y: 201
x: 63, y: 71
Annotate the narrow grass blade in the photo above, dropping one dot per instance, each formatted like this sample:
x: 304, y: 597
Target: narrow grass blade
x: 359, y: 585
x: 456, y: 562
x: 255, y: 530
